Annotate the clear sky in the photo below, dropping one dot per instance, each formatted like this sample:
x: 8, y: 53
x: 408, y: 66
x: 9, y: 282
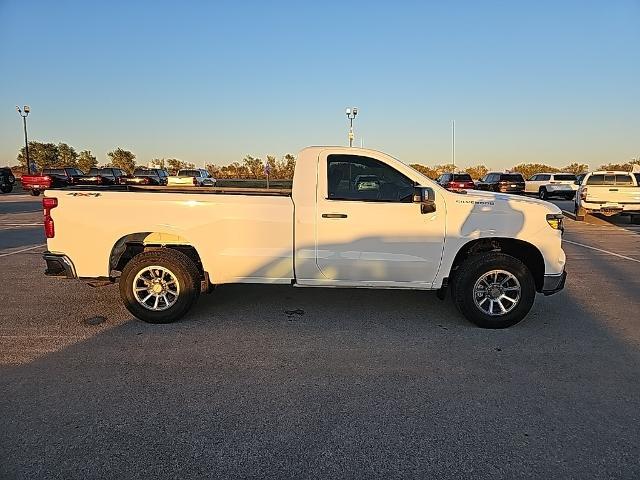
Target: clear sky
x: 537, y: 81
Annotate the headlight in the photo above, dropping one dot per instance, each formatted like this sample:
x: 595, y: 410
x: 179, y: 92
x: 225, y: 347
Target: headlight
x: 555, y: 221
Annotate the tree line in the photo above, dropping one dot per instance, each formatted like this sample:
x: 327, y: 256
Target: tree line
x: 51, y: 155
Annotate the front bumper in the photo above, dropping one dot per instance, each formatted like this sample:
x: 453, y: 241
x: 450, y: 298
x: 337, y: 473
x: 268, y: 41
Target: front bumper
x: 553, y: 283
x: 59, y: 265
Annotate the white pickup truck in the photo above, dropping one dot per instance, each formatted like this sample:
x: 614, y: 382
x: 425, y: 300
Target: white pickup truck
x: 608, y: 193
x: 493, y: 250
x: 198, y: 177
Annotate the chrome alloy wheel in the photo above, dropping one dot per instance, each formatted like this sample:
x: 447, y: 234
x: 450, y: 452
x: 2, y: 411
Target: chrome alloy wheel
x: 156, y: 288
x: 497, y: 292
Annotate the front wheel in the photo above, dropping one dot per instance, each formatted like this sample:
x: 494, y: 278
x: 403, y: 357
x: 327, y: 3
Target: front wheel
x: 494, y: 290
x: 35, y: 192
x: 6, y: 188
x: 160, y: 286
x: 543, y: 194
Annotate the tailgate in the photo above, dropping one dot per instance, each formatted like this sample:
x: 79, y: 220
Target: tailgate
x: 613, y: 194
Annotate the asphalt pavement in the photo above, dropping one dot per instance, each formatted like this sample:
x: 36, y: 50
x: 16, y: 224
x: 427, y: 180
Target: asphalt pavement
x: 281, y: 382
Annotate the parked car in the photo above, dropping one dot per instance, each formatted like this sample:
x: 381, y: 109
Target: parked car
x: 495, y: 251
x: 7, y: 180
x: 147, y: 176
x: 102, y: 176
x: 502, y: 182
x: 51, y: 178
x: 456, y: 181
x: 547, y: 185
x: 197, y: 177
x: 608, y: 193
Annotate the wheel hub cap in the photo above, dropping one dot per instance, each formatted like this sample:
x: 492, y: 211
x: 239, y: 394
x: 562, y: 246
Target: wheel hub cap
x: 496, y: 292
x: 156, y: 288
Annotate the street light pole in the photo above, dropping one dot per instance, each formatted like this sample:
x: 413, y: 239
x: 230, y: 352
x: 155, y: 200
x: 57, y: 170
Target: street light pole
x: 351, y: 114
x: 26, y: 141
x: 453, y: 144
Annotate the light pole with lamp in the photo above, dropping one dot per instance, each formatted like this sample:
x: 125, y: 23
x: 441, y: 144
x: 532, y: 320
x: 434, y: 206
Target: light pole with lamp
x: 24, y: 113
x: 351, y: 114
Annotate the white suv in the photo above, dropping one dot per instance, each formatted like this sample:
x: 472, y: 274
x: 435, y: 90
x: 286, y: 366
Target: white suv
x: 547, y: 185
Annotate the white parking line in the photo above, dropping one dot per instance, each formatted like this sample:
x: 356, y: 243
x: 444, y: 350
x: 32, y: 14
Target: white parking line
x: 23, y: 250
x: 600, y: 250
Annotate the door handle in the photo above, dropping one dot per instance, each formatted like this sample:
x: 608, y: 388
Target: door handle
x: 334, y: 215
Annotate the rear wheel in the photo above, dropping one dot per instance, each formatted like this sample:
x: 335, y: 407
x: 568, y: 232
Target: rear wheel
x: 160, y: 286
x: 6, y: 188
x: 35, y: 192
x: 494, y: 290
x: 543, y: 194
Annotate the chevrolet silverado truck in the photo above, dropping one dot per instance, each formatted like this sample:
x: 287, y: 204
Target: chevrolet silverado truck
x: 609, y: 193
x: 492, y: 251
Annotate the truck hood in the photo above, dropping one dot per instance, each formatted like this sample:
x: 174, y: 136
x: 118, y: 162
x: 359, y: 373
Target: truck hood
x: 505, y: 200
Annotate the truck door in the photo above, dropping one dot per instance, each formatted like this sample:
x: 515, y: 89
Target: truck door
x: 369, y: 231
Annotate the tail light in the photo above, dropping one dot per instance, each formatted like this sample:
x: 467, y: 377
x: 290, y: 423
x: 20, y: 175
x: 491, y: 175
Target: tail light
x: 583, y: 194
x: 145, y: 181
x: 48, y: 204
x: 195, y: 181
x: 99, y: 180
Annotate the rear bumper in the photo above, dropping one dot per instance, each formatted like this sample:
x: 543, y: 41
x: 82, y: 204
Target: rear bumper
x: 553, y: 283
x: 59, y: 265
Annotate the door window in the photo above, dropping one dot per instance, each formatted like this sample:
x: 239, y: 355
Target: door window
x: 354, y: 177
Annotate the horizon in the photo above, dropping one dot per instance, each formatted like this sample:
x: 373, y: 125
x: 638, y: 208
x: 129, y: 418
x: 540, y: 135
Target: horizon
x: 543, y: 83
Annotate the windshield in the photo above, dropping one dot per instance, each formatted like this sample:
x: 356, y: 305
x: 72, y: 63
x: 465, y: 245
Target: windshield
x: 511, y: 177
x: 462, y: 177
x: 145, y: 173
x: 565, y: 177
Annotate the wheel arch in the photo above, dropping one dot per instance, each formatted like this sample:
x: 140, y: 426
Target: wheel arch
x: 128, y: 246
x: 524, y: 251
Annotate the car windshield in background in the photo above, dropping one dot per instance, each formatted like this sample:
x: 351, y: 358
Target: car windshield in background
x: 511, y: 177
x: 188, y: 173
x: 637, y: 175
x: 145, y: 173
x: 565, y: 176
x: 462, y: 177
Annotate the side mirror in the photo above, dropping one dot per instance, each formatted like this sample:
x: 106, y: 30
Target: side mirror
x: 426, y: 197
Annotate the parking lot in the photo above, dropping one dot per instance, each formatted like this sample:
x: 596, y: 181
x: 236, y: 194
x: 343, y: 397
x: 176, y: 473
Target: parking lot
x: 274, y: 381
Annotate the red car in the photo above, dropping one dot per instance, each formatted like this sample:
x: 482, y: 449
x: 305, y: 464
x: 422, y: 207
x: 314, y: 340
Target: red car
x: 456, y: 181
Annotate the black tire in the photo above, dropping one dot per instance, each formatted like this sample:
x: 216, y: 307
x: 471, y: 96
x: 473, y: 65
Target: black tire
x: 543, y: 194
x: 473, y: 269
x: 6, y: 188
x: 35, y: 193
x: 180, y: 266
x: 579, y: 212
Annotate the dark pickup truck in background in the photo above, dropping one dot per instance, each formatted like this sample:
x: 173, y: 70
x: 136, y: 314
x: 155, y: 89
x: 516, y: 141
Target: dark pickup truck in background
x: 146, y: 176
x: 102, y: 176
x: 51, y: 178
x: 7, y: 180
x: 502, y: 182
